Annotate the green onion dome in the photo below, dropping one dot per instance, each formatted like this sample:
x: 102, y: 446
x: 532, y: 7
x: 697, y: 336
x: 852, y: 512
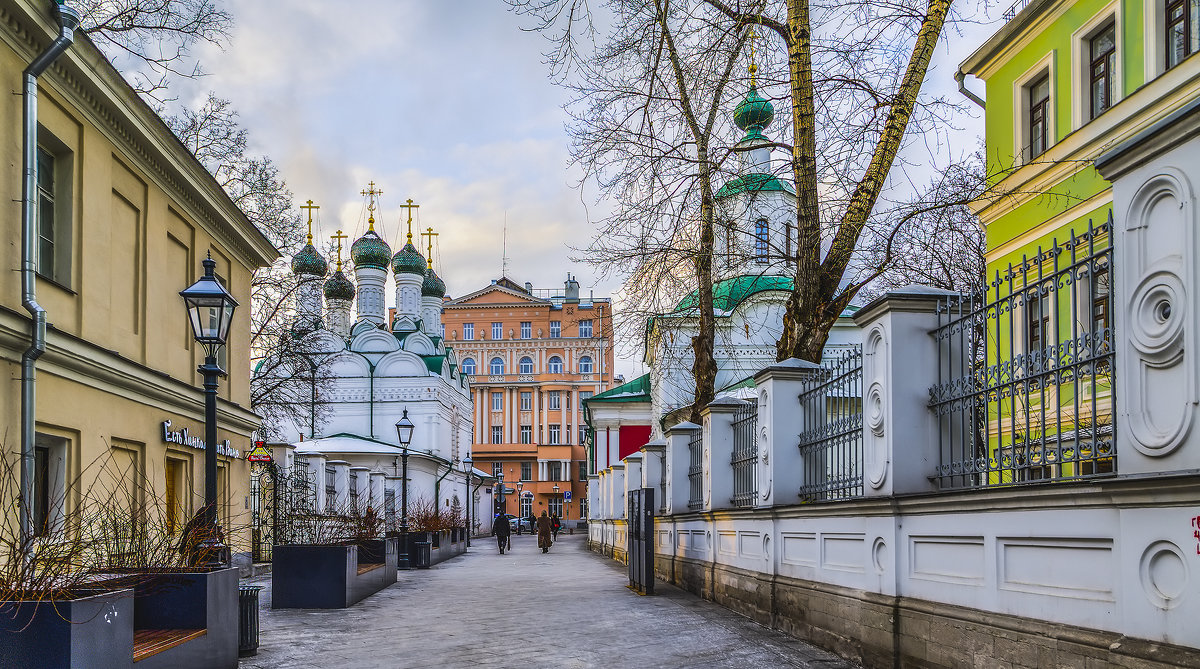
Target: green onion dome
x: 338, y: 287
x: 432, y: 286
x: 308, y: 261
x: 371, y: 251
x: 408, y: 260
x: 753, y: 113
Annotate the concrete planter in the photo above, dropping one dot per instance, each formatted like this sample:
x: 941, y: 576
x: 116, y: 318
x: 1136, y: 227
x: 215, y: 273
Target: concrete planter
x: 201, y: 600
x: 331, y: 577
x: 94, y: 630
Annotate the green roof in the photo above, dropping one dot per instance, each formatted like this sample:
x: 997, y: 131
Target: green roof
x: 754, y: 182
x: 631, y: 391
x: 434, y: 362
x: 728, y: 294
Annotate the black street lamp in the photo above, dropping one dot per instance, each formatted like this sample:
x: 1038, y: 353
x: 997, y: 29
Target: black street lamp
x: 468, y: 463
x: 210, y: 312
x: 404, y: 432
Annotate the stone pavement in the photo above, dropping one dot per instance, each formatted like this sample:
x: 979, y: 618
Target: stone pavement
x: 566, y: 608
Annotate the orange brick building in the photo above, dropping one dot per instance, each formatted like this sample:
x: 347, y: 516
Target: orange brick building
x: 532, y: 356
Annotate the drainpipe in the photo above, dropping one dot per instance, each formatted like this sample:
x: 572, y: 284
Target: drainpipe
x: 68, y: 20
x: 962, y: 88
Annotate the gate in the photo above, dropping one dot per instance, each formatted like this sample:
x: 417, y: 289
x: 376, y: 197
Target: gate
x: 641, y: 540
x: 263, y: 507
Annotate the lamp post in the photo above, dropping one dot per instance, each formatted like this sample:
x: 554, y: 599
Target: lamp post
x: 210, y: 312
x: 468, y: 463
x: 404, y: 432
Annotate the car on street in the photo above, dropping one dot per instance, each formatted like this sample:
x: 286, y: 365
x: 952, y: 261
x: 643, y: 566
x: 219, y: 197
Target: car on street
x: 523, y: 523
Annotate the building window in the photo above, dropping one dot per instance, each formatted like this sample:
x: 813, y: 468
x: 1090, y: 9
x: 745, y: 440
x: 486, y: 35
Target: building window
x: 1183, y: 39
x: 554, y: 399
x: 526, y: 506
x: 497, y: 434
x: 583, y: 471
x: 555, y: 329
x: 1100, y: 297
x: 468, y: 331
x: 498, y: 469
x: 526, y: 400
x: 526, y: 471
x: 1037, y: 309
x: 585, y: 328
x: 526, y: 330
x: 1103, y: 53
x: 585, y: 365
x: 1039, y: 110
x: 54, y: 214
x: 555, y: 434
x: 762, y: 240
x: 497, y: 366
x: 585, y: 395
x: 554, y: 365
x: 554, y: 470
x: 468, y: 366
x: 49, y: 483
x: 173, y: 496
x: 497, y: 401
x: 527, y: 365
x: 556, y: 504
x: 526, y: 434
x: 330, y: 491
x: 582, y: 435
x: 497, y: 331
x: 583, y: 507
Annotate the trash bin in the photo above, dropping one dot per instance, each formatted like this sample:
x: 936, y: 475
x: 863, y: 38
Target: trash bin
x: 422, y: 554
x: 248, y: 620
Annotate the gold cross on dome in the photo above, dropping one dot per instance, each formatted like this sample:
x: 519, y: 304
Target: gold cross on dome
x: 753, y: 66
x: 339, y: 237
x: 310, y: 206
x: 430, y: 234
x: 410, y: 206
x: 371, y: 192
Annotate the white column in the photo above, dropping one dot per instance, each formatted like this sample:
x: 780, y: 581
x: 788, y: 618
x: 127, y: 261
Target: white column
x: 900, y: 365
x: 678, y: 459
x: 371, y: 305
x: 718, y: 449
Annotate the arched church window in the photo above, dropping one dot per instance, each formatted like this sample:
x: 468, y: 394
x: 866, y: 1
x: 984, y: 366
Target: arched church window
x: 555, y: 365
x: 496, y: 366
x: 527, y: 365
x: 585, y: 365
x: 762, y: 240
x: 468, y: 366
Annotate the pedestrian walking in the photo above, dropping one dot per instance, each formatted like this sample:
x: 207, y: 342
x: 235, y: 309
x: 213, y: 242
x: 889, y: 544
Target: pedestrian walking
x: 544, y: 528
x: 502, y: 531
x: 554, y: 526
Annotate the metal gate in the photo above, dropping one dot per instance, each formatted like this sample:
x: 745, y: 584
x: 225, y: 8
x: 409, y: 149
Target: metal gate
x: 262, y: 510
x: 641, y: 540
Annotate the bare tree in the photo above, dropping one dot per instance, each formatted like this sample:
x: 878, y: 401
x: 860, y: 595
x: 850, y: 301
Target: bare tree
x: 645, y: 129
x: 151, y: 40
x: 290, y: 375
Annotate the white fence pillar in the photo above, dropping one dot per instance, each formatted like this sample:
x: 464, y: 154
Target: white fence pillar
x: 653, y: 469
x: 377, y: 497
x: 633, y: 473
x: 595, y: 499
x: 360, y: 486
x: 779, y: 425
x: 618, y: 490
x: 341, y: 487
x: 900, y: 365
x: 718, y: 451
x: 677, y: 462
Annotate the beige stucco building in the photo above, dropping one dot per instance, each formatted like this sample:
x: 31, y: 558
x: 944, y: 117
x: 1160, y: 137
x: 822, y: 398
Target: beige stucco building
x: 126, y: 216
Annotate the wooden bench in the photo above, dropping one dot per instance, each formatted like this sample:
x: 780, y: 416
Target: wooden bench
x: 370, y: 566
x: 147, y: 643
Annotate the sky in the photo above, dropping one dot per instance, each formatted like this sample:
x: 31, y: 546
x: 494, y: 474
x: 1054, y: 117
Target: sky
x: 446, y: 102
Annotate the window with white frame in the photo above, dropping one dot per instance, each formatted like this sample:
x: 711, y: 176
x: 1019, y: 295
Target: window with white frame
x: 555, y: 434
x: 496, y: 366
x: 556, y: 506
x: 1038, y: 113
x: 526, y: 365
x: 468, y: 331
x: 553, y: 470
x: 585, y: 395
x: 1102, y: 59
x: 762, y: 240
x: 497, y: 469
x: 497, y: 434
x: 468, y: 366
x: 554, y: 399
x: 526, y: 400
x: 555, y: 329
x: 585, y: 328
x: 526, y: 471
x: 498, y: 401
x: 554, y: 365
x: 526, y: 329
x: 526, y: 434
x: 583, y: 471
x: 49, y: 483
x: 585, y: 365
x: 497, y: 330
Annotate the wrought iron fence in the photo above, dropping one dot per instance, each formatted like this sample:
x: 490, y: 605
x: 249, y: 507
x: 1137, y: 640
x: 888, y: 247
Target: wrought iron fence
x: 745, y: 455
x: 1025, y: 378
x: 696, y: 470
x: 330, y: 491
x: 831, y: 434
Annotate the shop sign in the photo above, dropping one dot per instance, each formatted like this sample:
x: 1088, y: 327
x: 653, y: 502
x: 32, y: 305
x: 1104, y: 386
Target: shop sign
x: 260, y: 453
x: 184, y: 437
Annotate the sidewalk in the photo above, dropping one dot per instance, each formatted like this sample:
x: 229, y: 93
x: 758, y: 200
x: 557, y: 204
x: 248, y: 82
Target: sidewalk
x: 565, y: 608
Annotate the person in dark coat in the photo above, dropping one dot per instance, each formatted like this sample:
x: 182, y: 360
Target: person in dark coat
x: 555, y: 526
x: 544, y: 528
x: 502, y: 531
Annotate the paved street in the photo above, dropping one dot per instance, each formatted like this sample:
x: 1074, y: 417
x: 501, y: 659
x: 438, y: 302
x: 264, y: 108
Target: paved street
x: 567, y: 608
